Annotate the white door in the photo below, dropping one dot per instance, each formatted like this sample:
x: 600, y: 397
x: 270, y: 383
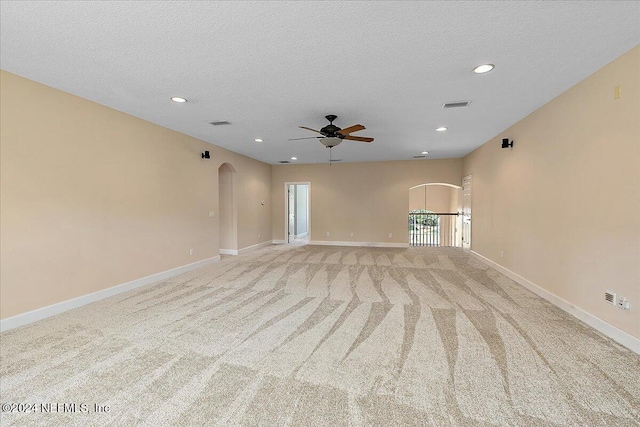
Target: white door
x: 292, y: 213
x: 466, y: 212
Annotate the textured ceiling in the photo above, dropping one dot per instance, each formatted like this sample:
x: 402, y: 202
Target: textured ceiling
x: 268, y: 67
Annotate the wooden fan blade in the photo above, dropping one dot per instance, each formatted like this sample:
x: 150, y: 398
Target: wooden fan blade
x: 313, y: 130
x: 309, y: 137
x: 358, y: 138
x: 354, y: 128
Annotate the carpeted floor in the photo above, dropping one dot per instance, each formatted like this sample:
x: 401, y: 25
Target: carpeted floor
x: 322, y: 336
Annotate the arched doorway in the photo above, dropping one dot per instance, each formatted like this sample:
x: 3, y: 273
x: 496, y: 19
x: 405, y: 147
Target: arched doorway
x: 228, y: 220
x: 435, y: 215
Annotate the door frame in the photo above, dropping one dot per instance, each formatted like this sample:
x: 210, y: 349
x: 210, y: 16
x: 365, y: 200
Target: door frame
x: 466, y: 245
x: 286, y: 208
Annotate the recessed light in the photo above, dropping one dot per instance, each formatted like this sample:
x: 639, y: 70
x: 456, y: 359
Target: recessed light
x: 441, y: 129
x: 484, y: 68
x: 257, y: 140
x: 294, y: 158
x: 178, y: 99
x: 425, y: 152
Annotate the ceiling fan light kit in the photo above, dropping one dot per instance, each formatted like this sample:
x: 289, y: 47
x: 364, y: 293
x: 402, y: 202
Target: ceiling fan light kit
x: 330, y: 142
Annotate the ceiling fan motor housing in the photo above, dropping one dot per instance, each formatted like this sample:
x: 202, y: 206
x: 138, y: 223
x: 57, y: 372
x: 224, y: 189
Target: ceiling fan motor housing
x: 330, y: 130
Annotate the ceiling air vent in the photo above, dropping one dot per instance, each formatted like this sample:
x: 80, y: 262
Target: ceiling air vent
x: 456, y: 104
x: 285, y: 161
x: 220, y: 123
x: 610, y: 297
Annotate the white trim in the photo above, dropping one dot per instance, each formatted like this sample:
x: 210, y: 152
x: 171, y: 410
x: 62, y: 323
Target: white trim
x: 254, y: 247
x: 61, y: 307
x: 368, y: 244
x: 301, y: 235
x: 435, y: 183
x: 279, y: 242
x: 228, y: 252
x: 245, y: 250
x: 607, y: 329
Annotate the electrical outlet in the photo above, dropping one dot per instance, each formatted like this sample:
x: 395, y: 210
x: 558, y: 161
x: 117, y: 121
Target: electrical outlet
x: 351, y: 235
x: 191, y: 251
x: 390, y: 234
x: 623, y: 303
x: 258, y: 235
x: 212, y: 214
x: 328, y: 234
x: 501, y: 254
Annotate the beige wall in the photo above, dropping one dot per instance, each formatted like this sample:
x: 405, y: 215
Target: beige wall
x: 435, y: 198
x: 227, y: 210
x: 91, y: 197
x: 564, y: 204
x: 455, y: 199
x: 417, y: 198
x: 370, y: 200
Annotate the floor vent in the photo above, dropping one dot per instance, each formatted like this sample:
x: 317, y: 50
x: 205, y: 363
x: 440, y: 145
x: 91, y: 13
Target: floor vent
x: 456, y: 104
x: 220, y: 123
x: 610, y: 297
x: 285, y: 161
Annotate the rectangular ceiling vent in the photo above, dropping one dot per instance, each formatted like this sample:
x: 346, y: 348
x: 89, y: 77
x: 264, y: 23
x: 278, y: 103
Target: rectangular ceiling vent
x: 220, y: 123
x: 419, y: 157
x: 285, y: 161
x: 456, y: 104
x: 610, y: 297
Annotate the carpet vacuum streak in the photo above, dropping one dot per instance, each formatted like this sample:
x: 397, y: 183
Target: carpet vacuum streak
x: 322, y: 336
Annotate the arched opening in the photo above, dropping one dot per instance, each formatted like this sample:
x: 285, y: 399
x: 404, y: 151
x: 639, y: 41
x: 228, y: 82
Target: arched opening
x: 435, y: 215
x: 228, y: 222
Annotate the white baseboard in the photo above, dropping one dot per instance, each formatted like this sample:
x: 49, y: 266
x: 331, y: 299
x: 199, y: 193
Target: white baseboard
x: 279, y: 242
x: 61, y: 307
x: 368, y: 244
x: 228, y: 252
x: 607, y: 329
x: 254, y: 247
x: 245, y: 250
x: 300, y: 236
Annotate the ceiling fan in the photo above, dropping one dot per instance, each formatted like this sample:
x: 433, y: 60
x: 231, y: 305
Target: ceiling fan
x: 332, y: 135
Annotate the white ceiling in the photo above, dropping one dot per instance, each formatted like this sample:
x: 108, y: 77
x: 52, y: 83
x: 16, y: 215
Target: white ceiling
x: 268, y: 67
